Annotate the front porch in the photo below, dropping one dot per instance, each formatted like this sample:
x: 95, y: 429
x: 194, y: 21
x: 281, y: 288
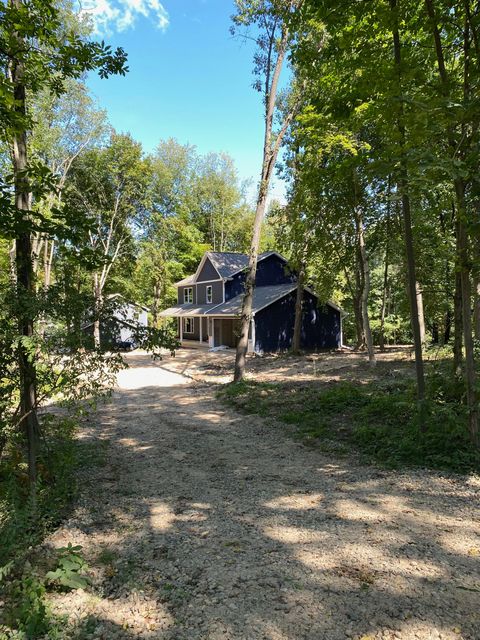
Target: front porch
x: 200, y: 332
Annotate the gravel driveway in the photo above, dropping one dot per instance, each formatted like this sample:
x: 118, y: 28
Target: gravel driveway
x: 205, y: 524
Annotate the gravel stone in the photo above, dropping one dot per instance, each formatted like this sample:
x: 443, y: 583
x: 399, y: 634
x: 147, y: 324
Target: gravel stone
x: 205, y: 524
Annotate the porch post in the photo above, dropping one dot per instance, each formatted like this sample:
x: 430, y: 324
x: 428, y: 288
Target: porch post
x: 201, y: 329
x: 210, y: 322
x: 181, y: 328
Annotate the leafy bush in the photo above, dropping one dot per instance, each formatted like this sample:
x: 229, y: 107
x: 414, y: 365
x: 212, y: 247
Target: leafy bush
x: 71, y: 566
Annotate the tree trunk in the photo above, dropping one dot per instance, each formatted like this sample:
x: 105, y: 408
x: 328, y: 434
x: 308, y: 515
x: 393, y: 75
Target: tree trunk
x: 97, y: 296
x: 24, y: 277
x: 383, y: 309
x: 297, y: 328
x: 357, y: 312
x: 270, y: 152
x: 421, y: 315
x: 458, y: 324
x: 462, y: 231
x: 384, y: 292
x: 403, y: 184
x: 156, y: 304
x: 246, y: 316
x: 365, y: 269
x: 476, y: 288
x: 470, y: 375
x: 447, y: 327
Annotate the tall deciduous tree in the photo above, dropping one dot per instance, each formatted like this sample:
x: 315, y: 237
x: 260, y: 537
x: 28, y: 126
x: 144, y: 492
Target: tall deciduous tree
x: 271, y: 19
x: 108, y: 188
x: 36, y: 52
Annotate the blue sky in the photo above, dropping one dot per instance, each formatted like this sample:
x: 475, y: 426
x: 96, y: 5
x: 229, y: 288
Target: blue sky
x: 189, y: 78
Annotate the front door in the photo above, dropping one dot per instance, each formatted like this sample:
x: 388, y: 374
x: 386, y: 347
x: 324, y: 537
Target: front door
x: 217, y: 332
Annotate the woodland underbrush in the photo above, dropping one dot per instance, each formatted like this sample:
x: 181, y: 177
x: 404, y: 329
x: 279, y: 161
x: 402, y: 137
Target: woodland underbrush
x: 380, y: 419
x: 26, y: 574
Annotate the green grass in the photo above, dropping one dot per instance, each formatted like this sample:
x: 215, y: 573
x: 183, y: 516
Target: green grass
x: 379, y: 419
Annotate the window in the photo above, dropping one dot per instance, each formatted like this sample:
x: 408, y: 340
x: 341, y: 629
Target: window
x: 187, y: 325
x: 188, y: 295
x: 209, y: 294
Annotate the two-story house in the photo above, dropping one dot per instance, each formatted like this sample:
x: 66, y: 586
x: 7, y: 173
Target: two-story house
x: 210, y: 302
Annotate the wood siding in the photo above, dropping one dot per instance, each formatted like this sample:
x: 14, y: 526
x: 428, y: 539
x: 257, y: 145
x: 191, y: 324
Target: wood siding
x: 270, y: 271
x: 217, y: 292
x: 208, y: 272
x: 180, y: 293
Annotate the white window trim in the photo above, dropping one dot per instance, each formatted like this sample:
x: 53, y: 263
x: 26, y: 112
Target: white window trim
x: 185, y: 330
x: 209, y: 290
x: 186, y: 295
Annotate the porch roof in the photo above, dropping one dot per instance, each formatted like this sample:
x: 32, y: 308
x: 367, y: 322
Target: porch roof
x: 262, y: 297
x: 181, y: 310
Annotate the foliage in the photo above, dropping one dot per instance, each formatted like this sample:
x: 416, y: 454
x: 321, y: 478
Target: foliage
x: 71, y: 565
x: 378, y: 419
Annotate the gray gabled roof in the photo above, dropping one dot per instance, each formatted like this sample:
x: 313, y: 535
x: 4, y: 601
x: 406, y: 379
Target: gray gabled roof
x: 262, y: 297
x: 227, y: 263
x: 187, y: 280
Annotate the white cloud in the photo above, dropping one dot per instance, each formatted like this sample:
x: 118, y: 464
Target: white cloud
x: 119, y: 15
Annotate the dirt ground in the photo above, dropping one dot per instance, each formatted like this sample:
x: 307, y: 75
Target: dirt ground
x: 204, y: 524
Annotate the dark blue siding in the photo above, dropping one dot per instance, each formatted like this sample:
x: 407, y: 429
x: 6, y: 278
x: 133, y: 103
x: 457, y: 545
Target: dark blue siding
x: 234, y: 287
x: 271, y: 271
x: 274, y: 325
x: 320, y: 324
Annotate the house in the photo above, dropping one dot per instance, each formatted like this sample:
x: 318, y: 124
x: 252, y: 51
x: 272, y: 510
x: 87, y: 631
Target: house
x: 210, y: 302
x: 120, y: 322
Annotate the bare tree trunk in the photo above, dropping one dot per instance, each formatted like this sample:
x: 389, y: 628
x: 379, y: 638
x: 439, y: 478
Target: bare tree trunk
x: 470, y: 375
x: 97, y: 296
x: 365, y: 267
x: 24, y: 274
x: 357, y: 312
x: 270, y: 152
x: 421, y: 314
x: 385, y: 275
x: 384, y: 303
x: 458, y: 325
x: 156, y: 304
x: 403, y: 184
x: 476, y: 289
x: 297, y: 328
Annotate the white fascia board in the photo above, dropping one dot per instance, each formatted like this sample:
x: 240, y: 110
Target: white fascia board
x: 223, y: 315
x: 190, y: 284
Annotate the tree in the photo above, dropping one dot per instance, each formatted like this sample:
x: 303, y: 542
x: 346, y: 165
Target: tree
x: 65, y: 126
x: 108, y: 187
x: 274, y: 38
x: 36, y: 53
